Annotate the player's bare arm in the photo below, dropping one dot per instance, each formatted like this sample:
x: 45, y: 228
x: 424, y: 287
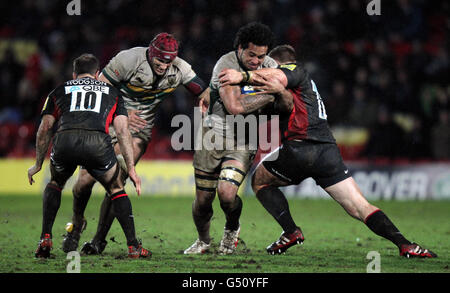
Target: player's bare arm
x: 203, y: 102
x: 272, y: 85
x: 231, y: 76
x: 237, y: 103
x: 43, y: 138
x: 125, y: 142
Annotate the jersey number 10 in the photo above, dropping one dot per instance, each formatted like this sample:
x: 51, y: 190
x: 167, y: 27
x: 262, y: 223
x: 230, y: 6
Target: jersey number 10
x: 86, y: 101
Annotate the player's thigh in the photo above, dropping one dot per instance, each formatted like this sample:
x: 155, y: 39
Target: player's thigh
x: 139, y: 147
x: 60, y: 174
x: 350, y: 197
x: 262, y: 178
x: 85, y: 181
x: 110, y: 179
x: 205, y: 187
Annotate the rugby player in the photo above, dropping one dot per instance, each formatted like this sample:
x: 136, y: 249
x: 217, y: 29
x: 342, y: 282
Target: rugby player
x: 309, y: 150
x: 144, y: 76
x: 221, y: 169
x: 84, y: 108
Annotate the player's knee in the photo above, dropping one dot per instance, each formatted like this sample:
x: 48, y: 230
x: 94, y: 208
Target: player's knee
x: 256, y: 186
x: 204, y: 198
x: 227, y: 194
x: 60, y: 185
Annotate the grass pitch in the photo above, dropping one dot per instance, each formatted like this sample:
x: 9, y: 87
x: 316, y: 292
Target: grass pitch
x: 334, y: 241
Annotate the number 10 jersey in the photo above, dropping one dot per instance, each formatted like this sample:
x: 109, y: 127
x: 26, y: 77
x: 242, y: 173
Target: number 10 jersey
x: 84, y: 103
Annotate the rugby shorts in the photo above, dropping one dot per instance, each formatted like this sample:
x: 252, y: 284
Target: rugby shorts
x: 298, y: 160
x: 77, y: 147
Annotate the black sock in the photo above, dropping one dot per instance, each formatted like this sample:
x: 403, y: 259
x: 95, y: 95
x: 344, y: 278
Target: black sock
x: 232, y: 213
x: 274, y: 201
x: 51, y: 201
x: 80, y: 201
x: 122, y: 208
x: 380, y: 224
x: 202, y: 216
x: 105, y: 219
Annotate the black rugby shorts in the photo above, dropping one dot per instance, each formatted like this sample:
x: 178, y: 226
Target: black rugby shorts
x: 90, y: 149
x: 298, y: 160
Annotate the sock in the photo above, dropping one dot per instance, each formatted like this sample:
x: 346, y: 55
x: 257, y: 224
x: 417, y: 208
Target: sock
x: 274, y: 201
x: 232, y: 213
x: 51, y: 201
x: 105, y: 220
x: 80, y: 201
x: 380, y: 224
x: 202, y: 216
x: 122, y: 208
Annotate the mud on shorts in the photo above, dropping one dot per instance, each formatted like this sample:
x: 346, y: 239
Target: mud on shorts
x: 210, y: 161
x: 298, y: 160
x: 90, y: 149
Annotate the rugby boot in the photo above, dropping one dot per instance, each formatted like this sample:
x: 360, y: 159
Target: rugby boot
x: 138, y: 252
x: 414, y: 250
x: 199, y: 247
x: 44, y: 247
x: 285, y: 241
x: 93, y: 247
x: 72, y: 237
x: 229, y: 241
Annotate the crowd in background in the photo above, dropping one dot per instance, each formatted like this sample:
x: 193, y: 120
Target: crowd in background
x: 388, y: 73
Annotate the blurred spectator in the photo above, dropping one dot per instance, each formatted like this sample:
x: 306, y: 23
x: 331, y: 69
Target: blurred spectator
x: 440, y: 137
x: 11, y: 71
x: 386, y: 137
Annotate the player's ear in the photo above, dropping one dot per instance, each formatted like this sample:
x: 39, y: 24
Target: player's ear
x: 97, y: 73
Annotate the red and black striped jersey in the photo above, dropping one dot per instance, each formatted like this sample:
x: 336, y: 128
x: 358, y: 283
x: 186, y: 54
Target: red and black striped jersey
x: 84, y: 103
x: 308, y: 119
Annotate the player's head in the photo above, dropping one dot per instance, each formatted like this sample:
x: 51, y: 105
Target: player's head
x: 86, y: 64
x: 163, y: 49
x: 283, y: 54
x: 252, y: 43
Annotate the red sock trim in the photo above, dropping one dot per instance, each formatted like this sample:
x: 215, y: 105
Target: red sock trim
x: 54, y: 187
x: 119, y: 195
x: 365, y: 220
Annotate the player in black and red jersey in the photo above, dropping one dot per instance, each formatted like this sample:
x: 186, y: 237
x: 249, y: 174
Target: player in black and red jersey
x: 84, y: 108
x: 308, y: 150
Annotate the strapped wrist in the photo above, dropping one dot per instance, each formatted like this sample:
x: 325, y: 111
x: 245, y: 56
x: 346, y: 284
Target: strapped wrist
x: 245, y: 76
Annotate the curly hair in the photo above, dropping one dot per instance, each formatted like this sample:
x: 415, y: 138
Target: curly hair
x: 256, y: 33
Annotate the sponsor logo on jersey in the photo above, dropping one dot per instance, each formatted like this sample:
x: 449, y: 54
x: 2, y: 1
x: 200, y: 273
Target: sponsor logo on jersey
x: 291, y: 67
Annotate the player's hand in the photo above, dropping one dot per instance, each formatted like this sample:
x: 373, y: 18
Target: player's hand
x: 135, y: 122
x: 269, y: 85
x: 31, y: 171
x: 204, y: 105
x: 136, y: 181
x: 230, y: 77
